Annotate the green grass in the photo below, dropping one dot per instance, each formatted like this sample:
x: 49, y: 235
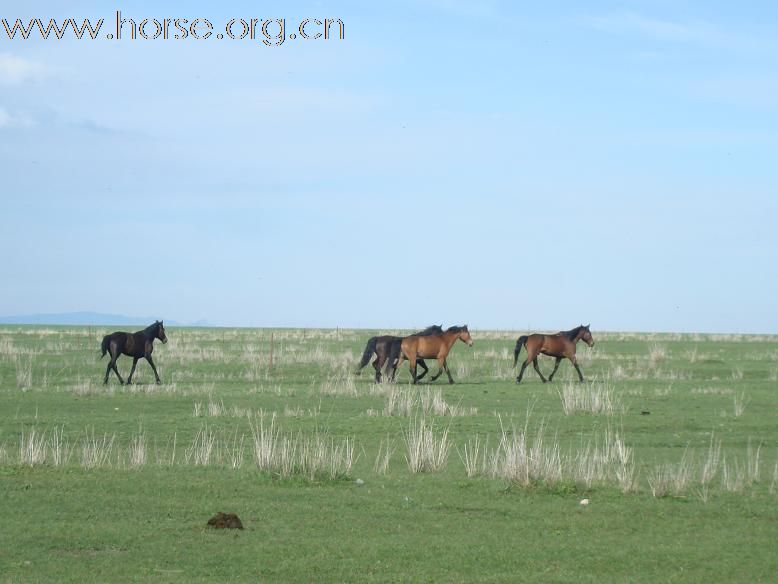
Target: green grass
x: 674, y: 397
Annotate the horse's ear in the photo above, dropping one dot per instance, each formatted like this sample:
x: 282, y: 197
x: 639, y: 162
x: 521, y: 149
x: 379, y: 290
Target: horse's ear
x: 587, y: 326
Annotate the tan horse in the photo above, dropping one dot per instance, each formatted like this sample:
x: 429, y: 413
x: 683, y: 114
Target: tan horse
x: 560, y: 345
x: 437, y: 347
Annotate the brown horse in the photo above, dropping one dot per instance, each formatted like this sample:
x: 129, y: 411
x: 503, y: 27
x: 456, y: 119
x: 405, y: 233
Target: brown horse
x: 387, y: 345
x: 436, y: 346
x: 560, y: 345
x: 136, y: 345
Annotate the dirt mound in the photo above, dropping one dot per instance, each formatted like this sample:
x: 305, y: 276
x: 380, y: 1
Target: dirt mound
x: 225, y: 521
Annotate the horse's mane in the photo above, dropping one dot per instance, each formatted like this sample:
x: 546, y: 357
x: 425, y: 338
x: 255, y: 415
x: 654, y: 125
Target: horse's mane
x: 434, y: 329
x: 151, y: 328
x: 456, y: 329
x: 572, y: 333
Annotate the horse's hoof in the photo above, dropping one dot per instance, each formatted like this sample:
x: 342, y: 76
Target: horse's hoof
x: 518, y: 380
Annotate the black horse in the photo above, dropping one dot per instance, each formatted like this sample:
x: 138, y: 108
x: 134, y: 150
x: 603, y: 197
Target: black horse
x: 135, y: 345
x: 387, y: 345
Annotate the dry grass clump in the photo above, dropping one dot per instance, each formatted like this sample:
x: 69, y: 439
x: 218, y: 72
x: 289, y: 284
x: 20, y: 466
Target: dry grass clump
x: 23, y: 368
x: 406, y: 402
x: 32, y: 447
x: 656, y: 354
x: 95, y: 450
x: 740, y: 402
x: 712, y: 391
x: 427, y: 449
x: 471, y: 456
x: 340, y: 385
x: 594, y: 398
x: 386, y: 449
x: 315, y: 456
x: 525, y: 461
x: 698, y: 474
x: 671, y: 478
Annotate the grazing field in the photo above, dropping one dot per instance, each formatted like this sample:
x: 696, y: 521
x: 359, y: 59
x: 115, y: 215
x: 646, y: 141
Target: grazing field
x: 672, y: 441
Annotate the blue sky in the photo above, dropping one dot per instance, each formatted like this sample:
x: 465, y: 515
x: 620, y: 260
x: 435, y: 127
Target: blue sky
x: 488, y: 163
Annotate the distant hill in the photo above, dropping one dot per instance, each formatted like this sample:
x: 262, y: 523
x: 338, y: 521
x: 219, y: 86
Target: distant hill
x: 87, y: 318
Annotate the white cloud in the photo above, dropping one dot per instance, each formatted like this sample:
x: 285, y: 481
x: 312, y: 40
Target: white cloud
x: 9, y: 120
x: 17, y: 70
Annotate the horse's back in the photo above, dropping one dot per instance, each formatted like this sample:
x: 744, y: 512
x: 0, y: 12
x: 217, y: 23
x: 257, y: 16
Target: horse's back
x: 535, y: 339
x: 117, y: 336
x: 555, y: 344
x: 128, y: 343
x: 422, y: 346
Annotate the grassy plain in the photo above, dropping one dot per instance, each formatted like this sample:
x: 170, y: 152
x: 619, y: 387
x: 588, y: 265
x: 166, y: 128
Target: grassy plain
x: 673, y: 441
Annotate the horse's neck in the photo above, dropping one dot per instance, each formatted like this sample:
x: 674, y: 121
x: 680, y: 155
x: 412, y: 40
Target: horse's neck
x: 573, y: 338
x: 451, y: 338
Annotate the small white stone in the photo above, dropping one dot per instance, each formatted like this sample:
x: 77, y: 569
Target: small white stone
x: 584, y: 502
x: 359, y: 482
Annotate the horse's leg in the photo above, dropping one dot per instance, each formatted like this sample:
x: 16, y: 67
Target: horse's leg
x: 445, y: 366
x: 393, y: 358
x: 377, y: 366
x: 577, y: 368
x: 391, y: 368
x: 115, y: 368
x: 532, y: 355
x: 423, y: 366
x: 521, y: 372
x: 438, y: 374
x: 412, y: 364
x: 556, y: 366
x: 134, y: 363
x: 151, y: 362
x: 535, y: 365
x: 110, y: 364
x: 108, y: 371
x: 400, y: 359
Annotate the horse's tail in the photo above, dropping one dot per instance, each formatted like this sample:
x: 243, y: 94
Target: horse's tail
x: 517, y: 350
x: 104, y: 345
x: 369, y: 350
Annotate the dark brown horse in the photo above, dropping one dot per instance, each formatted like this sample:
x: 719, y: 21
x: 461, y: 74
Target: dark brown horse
x: 385, y: 345
x: 136, y: 345
x: 437, y: 346
x: 560, y: 345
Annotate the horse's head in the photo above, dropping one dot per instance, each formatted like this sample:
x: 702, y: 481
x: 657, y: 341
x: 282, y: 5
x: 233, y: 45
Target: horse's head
x: 161, y: 331
x: 464, y: 336
x: 586, y: 335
